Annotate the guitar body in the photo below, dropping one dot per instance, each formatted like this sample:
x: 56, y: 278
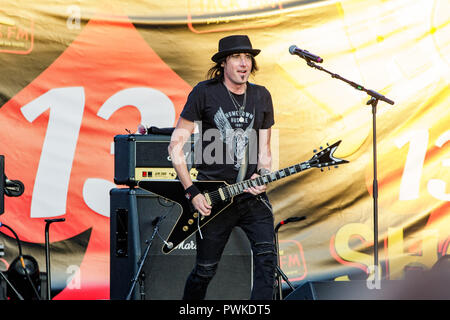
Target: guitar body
x: 189, y: 220
x: 220, y: 194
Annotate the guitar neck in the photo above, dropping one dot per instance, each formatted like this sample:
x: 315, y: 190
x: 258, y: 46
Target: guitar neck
x: 239, y: 187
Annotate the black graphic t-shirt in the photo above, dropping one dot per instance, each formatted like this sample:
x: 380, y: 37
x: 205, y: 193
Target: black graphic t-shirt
x: 225, y: 129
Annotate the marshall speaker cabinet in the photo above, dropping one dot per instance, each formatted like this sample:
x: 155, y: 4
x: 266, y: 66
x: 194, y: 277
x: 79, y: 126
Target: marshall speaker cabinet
x: 133, y: 215
x: 138, y: 157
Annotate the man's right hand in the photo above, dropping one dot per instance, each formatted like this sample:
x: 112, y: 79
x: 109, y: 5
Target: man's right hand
x: 199, y: 202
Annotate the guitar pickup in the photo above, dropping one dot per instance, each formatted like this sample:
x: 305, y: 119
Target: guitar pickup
x: 208, y: 199
x: 222, y: 195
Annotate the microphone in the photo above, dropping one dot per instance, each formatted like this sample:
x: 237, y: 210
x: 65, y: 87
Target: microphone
x: 294, y: 50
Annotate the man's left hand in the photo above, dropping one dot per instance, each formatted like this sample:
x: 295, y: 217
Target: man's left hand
x: 258, y: 189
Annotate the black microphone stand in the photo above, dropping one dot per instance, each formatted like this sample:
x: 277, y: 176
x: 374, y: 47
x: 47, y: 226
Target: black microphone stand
x: 141, y: 262
x: 47, y: 254
x: 21, y: 259
x: 375, y: 97
x: 279, y: 273
x: 19, y: 296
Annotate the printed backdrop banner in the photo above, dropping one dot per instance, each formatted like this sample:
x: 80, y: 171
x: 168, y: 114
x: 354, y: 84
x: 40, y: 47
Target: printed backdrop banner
x: 77, y: 73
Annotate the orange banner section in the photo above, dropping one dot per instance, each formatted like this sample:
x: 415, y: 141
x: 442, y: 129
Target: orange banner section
x: 76, y: 75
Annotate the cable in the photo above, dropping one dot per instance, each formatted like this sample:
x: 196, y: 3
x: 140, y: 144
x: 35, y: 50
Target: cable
x: 22, y: 262
x: 11, y: 286
x: 158, y: 220
x: 198, y: 226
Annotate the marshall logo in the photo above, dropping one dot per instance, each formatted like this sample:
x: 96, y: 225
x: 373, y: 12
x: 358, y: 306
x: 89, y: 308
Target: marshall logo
x: 187, y: 245
x: 16, y: 34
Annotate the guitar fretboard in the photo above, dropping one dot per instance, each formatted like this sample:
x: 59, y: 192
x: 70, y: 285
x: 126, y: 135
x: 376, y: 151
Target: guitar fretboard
x: 227, y: 192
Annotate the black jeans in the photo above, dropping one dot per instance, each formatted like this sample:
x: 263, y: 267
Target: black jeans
x: 257, y: 221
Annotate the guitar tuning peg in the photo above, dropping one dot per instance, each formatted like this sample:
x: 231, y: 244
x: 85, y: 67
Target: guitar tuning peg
x: 321, y: 148
x: 315, y: 150
x: 328, y: 144
x: 321, y: 169
x: 336, y: 167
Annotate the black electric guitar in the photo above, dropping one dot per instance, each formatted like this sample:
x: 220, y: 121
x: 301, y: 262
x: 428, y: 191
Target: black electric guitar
x: 220, y: 195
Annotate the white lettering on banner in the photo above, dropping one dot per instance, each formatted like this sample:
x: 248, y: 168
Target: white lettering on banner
x: 373, y: 281
x: 410, y: 183
x: 155, y: 107
x: 52, y: 178
x: 74, y: 17
x: 437, y: 187
x: 73, y: 282
x: 96, y: 195
x: 66, y: 106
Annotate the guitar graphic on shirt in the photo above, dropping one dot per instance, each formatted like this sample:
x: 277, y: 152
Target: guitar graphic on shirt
x: 220, y: 194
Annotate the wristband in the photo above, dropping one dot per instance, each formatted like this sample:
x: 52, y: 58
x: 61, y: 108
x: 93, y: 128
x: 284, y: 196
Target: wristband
x: 191, y: 192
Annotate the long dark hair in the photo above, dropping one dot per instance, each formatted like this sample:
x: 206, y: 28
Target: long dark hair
x: 216, y: 71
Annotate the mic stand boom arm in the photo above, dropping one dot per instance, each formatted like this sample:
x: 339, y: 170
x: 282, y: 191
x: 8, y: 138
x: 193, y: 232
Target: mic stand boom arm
x: 372, y: 93
x: 375, y: 97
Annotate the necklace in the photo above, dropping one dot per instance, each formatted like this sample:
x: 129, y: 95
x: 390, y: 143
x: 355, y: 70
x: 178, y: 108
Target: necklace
x: 239, y: 108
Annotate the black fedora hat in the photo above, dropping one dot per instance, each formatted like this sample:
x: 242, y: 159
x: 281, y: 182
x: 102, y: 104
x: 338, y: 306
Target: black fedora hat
x: 234, y: 44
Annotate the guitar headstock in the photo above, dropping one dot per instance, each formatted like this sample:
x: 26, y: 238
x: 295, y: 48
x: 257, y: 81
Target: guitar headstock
x: 325, y: 157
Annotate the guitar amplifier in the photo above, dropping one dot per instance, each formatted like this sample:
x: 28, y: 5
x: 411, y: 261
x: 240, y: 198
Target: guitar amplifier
x: 138, y: 157
x: 132, y: 215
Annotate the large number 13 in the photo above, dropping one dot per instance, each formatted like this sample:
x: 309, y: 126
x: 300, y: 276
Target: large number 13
x: 66, y: 113
x: 410, y: 183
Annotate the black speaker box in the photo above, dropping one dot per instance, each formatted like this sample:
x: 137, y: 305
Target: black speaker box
x: 423, y: 288
x: 132, y: 213
x: 337, y: 290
